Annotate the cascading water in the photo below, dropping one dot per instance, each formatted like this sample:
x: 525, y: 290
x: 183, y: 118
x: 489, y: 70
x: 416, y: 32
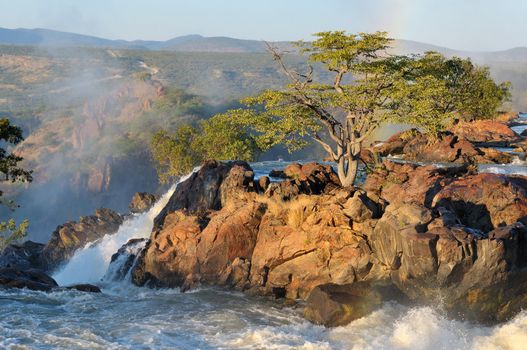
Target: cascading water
x: 89, y: 264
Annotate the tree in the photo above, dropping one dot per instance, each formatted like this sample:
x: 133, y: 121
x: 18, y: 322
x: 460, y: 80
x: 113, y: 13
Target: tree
x: 368, y: 88
x: 11, y: 172
x: 438, y: 90
x: 348, y: 109
x: 215, y: 138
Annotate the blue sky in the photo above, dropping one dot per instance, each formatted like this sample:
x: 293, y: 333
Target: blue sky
x: 459, y: 24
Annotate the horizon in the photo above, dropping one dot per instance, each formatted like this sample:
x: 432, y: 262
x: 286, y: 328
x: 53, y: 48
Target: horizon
x: 448, y: 24
x: 250, y: 39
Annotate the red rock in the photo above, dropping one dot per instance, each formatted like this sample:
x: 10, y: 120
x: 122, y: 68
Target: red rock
x: 483, y: 131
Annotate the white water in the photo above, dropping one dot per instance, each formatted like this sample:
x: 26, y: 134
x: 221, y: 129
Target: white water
x: 89, y: 264
x: 139, y: 318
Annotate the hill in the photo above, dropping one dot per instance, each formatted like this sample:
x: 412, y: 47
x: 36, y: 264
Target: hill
x: 198, y: 43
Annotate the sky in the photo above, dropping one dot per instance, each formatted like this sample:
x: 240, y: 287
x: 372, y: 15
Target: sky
x: 476, y: 25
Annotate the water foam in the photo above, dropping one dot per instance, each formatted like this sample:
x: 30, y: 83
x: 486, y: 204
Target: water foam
x: 88, y: 265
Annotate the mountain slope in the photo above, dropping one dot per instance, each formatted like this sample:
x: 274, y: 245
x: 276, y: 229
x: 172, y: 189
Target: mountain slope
x: 198, y: 43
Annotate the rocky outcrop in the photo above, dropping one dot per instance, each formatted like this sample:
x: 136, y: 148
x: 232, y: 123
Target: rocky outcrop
x: 481, y: 201
x: 69, y: 237
x: 21, y: 256
x: 412, y: 232
x: 486, y: 132
x: 448, y: 148
x: 142, y: 202
x: 11, y: 277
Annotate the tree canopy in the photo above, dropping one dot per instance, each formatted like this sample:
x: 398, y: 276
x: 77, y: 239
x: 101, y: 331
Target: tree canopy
x: 11, y: 172
x: 368, y: 87
x: 215, y: 138
x: 438, y: 90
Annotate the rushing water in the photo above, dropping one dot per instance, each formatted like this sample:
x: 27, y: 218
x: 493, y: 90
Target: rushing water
x: 128, y: 317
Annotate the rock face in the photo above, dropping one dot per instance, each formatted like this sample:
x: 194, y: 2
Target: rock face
x: 69, y: 237
x: 424, y: 233
x: 449, y: 148
x: 142, y: 202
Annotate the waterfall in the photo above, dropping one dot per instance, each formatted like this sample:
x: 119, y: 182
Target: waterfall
x: 89, y: 264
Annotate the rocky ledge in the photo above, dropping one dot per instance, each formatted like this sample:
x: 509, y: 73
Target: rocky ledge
x: 420, y: 234
x: 474, y: 142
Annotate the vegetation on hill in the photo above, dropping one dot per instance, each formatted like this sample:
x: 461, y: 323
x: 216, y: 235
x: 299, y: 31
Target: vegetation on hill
x: 11, y: 172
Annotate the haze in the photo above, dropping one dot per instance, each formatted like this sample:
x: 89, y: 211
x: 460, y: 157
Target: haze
x: 475, y: 25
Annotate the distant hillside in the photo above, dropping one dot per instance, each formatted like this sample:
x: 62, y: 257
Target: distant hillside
x: 198, y: 43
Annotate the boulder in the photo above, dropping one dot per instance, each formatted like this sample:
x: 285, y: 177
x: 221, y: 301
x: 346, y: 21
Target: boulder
x: 411, y: 183
x: 263, y: 183
x: 206, y: 189
x: 334, y: 305
x: 31, y: 279
x: 89, y: 288
x: 122, y: 261
x: 448, y: 148
x: 21, y: 256
x: 309, y: 178
x: 142, y: 202
x: 69, y: 237
x: 486, y: 132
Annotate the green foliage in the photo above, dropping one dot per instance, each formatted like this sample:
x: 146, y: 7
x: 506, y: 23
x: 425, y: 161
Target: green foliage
x: 437, y: 90
x: 10, y: 232
x: 173, y: 154
x: 215, y: 138
x: 11, y: 135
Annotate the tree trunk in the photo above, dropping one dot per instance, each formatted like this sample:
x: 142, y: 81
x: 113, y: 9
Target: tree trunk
x: 347, y: 171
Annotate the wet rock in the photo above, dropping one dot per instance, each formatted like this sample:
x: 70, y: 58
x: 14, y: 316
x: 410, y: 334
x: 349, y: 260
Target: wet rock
x: 335, y: 305
x: 142, y: 202
x: 31, y: 279
x: 276, y: 173
x: 21, y: 256
x: 69, y: 237
x: 122, y: 261
x: 89, y: 288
